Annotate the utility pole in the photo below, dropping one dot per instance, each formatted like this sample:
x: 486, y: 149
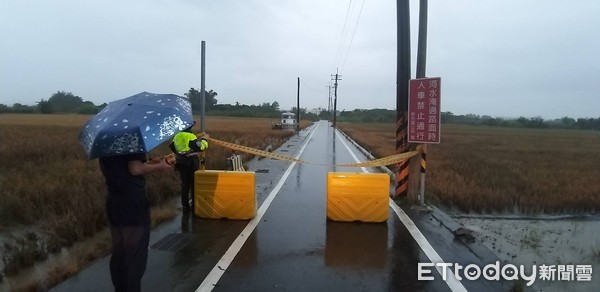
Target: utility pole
x: 402, y: 79
x: 329, y: 102
x: 422, y: 41
x: 335, y: 86
x: 421, y: 61
x: 202, y: 101
x: 298, y: 107
x: 202, y: 91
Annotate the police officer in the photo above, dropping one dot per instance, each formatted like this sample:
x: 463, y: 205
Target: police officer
x: 186, y: 147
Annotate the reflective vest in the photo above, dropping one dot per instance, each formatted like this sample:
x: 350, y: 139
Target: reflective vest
x: 182, y: 140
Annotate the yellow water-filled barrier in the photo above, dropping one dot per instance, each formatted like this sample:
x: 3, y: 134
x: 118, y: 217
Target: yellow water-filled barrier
x: 225, y: 194
x: 357, y: 196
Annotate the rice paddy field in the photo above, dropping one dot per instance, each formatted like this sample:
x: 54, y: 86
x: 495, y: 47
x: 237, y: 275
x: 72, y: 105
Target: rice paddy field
x: 477, y: 169
x: 52, y: 196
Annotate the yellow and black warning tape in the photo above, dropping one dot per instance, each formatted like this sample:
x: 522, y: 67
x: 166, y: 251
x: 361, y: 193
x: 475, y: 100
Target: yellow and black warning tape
x: 254, y: 151
x: 389, y: 160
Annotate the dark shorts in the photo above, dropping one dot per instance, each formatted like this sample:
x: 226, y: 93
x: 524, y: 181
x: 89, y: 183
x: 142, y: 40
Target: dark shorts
x: 131, y: 209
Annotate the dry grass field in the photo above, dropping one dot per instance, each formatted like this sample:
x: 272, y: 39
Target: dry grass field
x: 47, y: 182
x: 503, y: 170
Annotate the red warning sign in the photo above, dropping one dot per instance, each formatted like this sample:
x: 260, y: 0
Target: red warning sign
x: 424, y: 117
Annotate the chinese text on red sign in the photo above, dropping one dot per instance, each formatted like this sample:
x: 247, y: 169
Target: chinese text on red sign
x: 424, y: 110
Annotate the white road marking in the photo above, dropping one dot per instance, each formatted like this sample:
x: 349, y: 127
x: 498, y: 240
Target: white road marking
x: 219, y: 269
x: 414, y: 231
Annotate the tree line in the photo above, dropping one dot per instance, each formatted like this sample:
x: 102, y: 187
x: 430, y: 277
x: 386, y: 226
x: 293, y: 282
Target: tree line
x: 66, y: 102
x: 523, y: 122
x: 59, y: 102
x: 389, y: 116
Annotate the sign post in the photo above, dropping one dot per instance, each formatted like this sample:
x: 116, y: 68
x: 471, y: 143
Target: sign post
x: 424, y: 118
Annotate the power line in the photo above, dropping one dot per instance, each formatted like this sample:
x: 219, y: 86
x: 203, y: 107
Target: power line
x: 353, y: 33
x: 335, y: 62
x: 311, y: 88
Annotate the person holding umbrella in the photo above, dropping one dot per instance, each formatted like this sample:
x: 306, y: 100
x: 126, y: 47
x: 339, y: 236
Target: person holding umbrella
x: 121, y: 135
x: 128, y: 213
x: 186, y: 147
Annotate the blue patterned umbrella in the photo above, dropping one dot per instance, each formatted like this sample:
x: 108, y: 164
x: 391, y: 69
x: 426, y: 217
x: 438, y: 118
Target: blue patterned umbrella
x: 136, y: 124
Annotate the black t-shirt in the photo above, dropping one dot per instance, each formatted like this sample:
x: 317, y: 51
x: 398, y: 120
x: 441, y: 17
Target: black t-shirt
x: 126, y: 203
x: 119, y: 180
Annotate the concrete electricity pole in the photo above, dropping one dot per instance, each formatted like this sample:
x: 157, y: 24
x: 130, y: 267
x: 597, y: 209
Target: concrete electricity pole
x: 329, y: 102
x: 202, y: 99
x: 421, y: 66
x: 298, y: 107
x: 336, y: 78
x: 402, y: 78
x: 202, y: 89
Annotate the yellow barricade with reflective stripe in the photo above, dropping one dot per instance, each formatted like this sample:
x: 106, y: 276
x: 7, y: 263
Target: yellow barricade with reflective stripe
x: 357, y: 196
x: 225, y: 194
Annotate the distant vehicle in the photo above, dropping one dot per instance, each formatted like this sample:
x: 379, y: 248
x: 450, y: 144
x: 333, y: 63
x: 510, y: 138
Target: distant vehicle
x: 288, y: 121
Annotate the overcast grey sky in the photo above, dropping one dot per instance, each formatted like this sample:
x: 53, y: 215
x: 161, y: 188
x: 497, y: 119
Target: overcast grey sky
x: 498, y: 58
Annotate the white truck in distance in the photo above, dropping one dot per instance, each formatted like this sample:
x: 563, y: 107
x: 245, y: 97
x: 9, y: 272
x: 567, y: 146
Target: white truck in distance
x: 288, y: 121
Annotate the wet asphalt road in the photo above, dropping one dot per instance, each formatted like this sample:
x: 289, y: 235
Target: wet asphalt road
x: 294, y: 247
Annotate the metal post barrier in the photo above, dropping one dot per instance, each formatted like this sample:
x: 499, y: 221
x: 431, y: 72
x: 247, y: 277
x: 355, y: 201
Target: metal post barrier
x: 235, y: 163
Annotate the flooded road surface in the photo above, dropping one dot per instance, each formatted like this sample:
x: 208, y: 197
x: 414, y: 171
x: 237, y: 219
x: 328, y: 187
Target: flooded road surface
x: 291, y: 246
